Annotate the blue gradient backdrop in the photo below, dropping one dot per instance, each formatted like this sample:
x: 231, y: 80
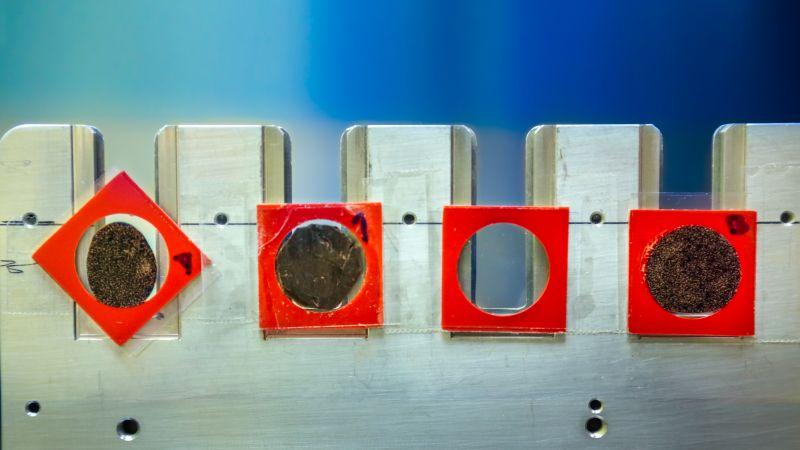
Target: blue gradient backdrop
x: 316, y: 67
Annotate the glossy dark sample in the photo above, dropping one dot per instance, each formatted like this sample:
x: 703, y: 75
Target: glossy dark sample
x: 121, y: 266
x: 693, y: 269
x: 318, y: 266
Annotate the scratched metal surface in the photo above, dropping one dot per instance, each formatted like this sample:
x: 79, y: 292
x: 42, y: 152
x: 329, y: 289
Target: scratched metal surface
x: 222, y: 386
x: 757, y: 166
x: 595, y: 169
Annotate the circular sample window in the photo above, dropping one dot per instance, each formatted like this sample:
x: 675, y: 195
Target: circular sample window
x: 692, y: 270
x: 320, y: 266
x: 121, y: 267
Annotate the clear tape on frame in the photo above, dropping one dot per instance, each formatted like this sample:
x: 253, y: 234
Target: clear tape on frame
x: 232, y: 247
x: 166, y: 324
x: 27, y: 290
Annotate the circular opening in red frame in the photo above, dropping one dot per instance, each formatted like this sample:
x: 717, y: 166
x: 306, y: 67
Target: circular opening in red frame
x: 503, y: 269
x: 320, y: 265
x: 116, y: 260
x: 692, y: 271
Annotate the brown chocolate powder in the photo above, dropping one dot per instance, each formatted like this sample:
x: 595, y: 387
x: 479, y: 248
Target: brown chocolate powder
x: 121, y: 266
x: 691, y: 270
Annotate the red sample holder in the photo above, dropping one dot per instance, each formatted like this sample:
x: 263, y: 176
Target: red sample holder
x: 548, y: 314
x: 57, y: 256
x: 277, y: 311
x: 647, y: 317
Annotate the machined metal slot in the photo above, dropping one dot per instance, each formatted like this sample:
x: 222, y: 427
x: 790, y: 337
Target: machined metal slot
x: 600, y: 172
x: 209, y: 180
x: 757, y: 167
x: 411, y: 170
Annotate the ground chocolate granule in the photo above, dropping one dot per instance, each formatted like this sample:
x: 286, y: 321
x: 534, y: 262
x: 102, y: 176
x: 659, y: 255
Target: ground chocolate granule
x: 691, y: 270
x: 318, y: 266
x: 121, y: 266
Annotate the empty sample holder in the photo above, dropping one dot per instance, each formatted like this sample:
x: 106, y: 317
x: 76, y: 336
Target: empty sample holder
x: 548, y: 313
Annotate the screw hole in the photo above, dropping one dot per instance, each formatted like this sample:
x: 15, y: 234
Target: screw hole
x: 596, y: 427
x: 30, y: 219
x: 787, y: 217
x: 596, y: 218
x: 32, y: 408
x: 127, y: 429
x: 409, y: 218
x: 221, y: 219
x: 595, y: 405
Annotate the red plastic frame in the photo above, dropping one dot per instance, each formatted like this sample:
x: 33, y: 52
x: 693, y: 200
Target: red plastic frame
x: 548, y: 314
x: 277, y: 311
x: 647, y: 317
x: 57, y: 256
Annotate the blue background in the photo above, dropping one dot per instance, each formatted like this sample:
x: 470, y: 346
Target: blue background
x: 316, y: 67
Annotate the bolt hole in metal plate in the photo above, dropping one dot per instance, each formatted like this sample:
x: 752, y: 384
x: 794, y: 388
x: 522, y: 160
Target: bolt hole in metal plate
x: 30, y: 219
x: 596, y: 427
x: 128, y: 429
x: 32, y: 408
x: 498, y: 283
x: 221, y: 219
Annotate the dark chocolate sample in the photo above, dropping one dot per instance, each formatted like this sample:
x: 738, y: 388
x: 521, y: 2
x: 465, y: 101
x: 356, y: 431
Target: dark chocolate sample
x: 121, y: 266
x: 318, y: 266
x: 692, y: 270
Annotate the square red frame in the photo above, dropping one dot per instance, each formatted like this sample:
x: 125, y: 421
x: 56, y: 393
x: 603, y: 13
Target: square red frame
x: 647, y: 317
x: 548, y: 314
x: 121, y: 195
x: 277, y: 311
